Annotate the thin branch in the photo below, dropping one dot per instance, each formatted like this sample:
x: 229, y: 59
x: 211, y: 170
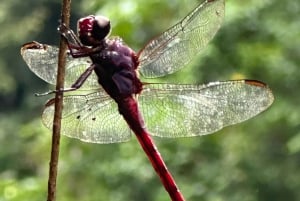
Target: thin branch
x: 65, y: 18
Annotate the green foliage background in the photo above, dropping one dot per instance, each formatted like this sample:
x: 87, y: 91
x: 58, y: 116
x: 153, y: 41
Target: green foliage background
x: 256, y: 160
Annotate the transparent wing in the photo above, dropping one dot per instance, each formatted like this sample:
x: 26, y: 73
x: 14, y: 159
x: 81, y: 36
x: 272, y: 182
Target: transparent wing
x: 42, y: 60
x: 91, y: 118
x: 191, y: 110
x: 173, y: 49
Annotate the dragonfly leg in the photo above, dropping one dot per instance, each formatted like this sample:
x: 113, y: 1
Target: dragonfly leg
x: 82, y: 78
x: 76, y: 85
x: 74, y: 44
x: 69, y: 35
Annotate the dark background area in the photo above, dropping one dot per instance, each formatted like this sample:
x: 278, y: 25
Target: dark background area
x: 255, y: 160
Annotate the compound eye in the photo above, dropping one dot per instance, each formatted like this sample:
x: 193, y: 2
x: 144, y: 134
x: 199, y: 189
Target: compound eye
x: 93, y: 29
x: 85, y: 25
x: 101, y: 27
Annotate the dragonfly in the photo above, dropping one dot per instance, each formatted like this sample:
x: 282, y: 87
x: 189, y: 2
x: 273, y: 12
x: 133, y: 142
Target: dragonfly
x: 106, y: 100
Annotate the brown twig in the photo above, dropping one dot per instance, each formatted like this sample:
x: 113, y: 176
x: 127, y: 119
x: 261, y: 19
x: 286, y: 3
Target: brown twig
x: 65, y: 18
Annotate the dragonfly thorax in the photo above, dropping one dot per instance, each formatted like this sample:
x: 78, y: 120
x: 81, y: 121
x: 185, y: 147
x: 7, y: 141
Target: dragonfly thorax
x: 116, y: 67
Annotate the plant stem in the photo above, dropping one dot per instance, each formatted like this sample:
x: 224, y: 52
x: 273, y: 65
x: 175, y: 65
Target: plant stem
x: 65, y: 18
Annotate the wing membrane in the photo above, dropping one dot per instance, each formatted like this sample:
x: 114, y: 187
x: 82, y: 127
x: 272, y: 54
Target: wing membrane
x: 173, y: 49
x: 91, y: 118
x: 42, y: 60
x: 191, y: 110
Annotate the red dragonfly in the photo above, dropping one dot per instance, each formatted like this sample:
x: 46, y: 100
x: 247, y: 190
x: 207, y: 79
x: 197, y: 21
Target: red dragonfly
x: 169, y: 110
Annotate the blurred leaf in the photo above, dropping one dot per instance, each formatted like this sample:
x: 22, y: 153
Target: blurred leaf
x: 294, y: 144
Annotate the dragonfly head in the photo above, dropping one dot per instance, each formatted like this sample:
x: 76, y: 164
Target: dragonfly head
x: 93, y: 29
